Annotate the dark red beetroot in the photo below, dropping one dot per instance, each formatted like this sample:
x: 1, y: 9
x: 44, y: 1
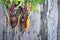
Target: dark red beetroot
x: 11, y: 10
x: 13, y: 21
x: 22, y: 11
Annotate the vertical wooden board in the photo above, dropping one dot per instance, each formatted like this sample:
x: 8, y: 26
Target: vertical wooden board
x: 52, y: 18
x: 44, y: 29
x: 58, y: 28
x: 2, y: 23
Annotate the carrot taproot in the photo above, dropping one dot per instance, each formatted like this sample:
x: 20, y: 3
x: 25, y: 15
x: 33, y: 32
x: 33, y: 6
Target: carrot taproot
x: 27, y: 24
x: 8, y: 20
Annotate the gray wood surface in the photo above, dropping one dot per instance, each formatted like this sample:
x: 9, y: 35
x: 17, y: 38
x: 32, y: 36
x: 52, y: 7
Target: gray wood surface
x: 52, y: 18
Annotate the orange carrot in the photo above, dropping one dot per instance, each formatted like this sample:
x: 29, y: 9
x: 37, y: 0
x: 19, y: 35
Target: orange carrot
x: 27, y: 24
x: 8, y: 20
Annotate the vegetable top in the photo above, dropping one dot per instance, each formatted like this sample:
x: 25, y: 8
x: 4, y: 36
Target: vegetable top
x: 22, y: 3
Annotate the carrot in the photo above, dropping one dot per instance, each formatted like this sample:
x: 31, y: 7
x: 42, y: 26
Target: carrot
x: 27, y: 24
x: 8, y: 20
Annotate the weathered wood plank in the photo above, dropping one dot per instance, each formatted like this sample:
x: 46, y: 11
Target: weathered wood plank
x: 52, y: 18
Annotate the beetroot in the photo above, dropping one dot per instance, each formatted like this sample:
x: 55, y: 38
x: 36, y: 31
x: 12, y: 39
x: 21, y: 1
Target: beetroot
x: 11, y: 10
x: 13, y: 21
